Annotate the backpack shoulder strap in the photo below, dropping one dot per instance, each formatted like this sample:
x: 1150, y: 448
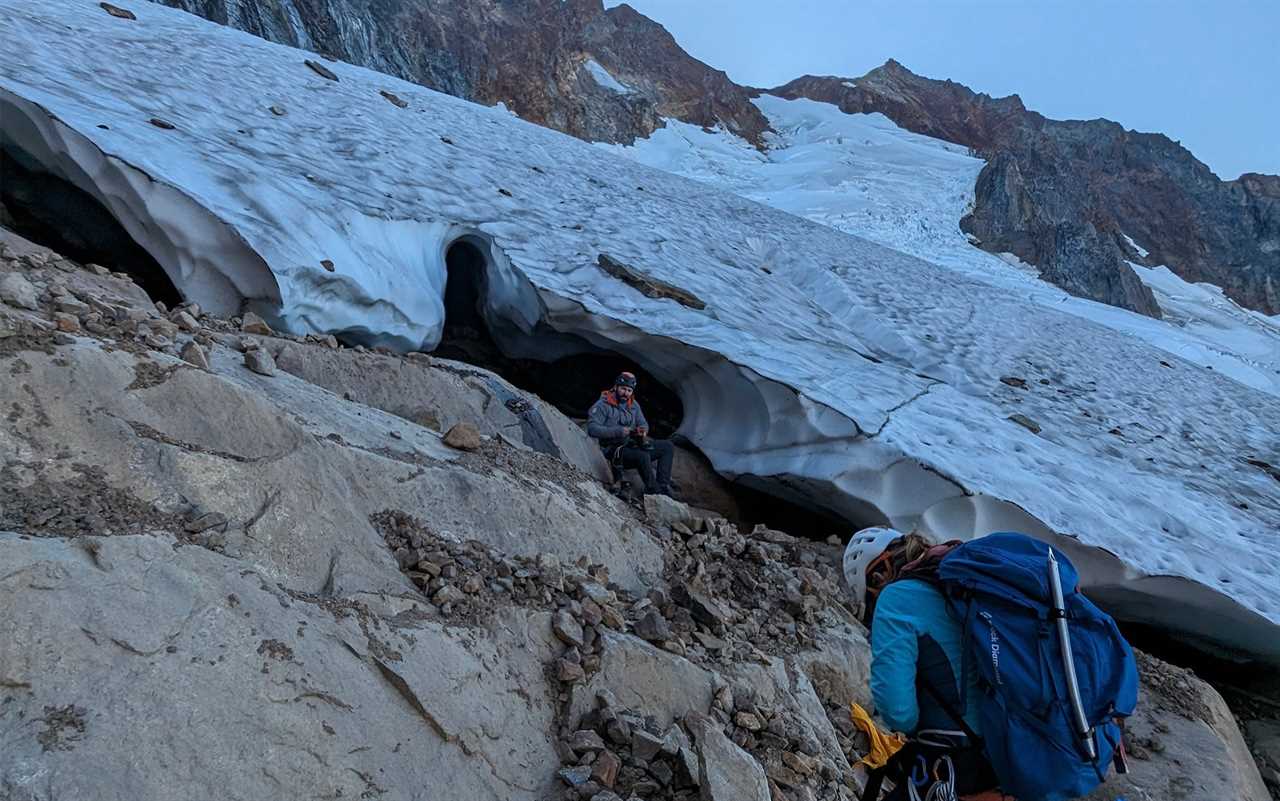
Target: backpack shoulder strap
x: 952, y: 712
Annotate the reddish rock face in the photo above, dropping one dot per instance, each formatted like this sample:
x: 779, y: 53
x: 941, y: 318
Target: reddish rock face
x: 532, y: 56
x: 1062, y: 194
x: 942, y: 109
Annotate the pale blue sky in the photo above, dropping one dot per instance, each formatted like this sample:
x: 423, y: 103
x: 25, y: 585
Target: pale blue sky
x: 1204, y: 72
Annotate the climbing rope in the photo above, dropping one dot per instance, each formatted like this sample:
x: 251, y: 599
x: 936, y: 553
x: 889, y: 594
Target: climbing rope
x: 943, y: 787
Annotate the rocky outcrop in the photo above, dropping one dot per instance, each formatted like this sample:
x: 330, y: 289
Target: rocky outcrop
x: 1063, y: 195
x: 599, y: 74
x: 221, y: 682
x: 1183, y: 743
x: 270, y: 590
x: 439, y: 394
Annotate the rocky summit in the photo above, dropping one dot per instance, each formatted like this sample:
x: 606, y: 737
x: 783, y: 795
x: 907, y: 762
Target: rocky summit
x: 1083, y: 199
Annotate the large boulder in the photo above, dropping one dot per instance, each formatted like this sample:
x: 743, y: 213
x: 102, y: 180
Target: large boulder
x: 646, y: 678
x: 1184, y: 744
x: 839, y: 665
x: 438, y: 393
x: 295, y: 472
x: 135, y: 668
x: 728, y: 772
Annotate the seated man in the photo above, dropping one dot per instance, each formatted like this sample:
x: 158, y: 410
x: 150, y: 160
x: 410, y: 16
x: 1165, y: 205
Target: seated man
x: 616, y: 421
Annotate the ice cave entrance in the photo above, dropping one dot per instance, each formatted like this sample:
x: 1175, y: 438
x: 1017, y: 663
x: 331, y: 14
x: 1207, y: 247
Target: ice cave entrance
x: 570, y: 383
x: 53, y: 212
x: 569, y: 372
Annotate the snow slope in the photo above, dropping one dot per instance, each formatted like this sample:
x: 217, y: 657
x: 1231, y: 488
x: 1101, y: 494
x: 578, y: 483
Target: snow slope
x: 863, y: 174
x: 824, y: 366
x: 605, y: 79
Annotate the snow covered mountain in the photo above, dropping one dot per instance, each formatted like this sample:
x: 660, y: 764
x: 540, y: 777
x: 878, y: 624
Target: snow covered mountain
x: 1073, y: 196
x: 814, y: 364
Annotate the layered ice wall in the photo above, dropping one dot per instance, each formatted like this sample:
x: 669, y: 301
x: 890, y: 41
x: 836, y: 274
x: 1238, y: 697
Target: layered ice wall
x: 822, y: 366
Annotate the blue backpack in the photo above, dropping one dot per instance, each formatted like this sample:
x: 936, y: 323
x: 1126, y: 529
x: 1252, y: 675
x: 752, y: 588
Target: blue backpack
x: 998, y: 588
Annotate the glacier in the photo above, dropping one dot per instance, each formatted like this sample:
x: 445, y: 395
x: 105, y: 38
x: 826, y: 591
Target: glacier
x: 864, y: 175
x: 878, y: 384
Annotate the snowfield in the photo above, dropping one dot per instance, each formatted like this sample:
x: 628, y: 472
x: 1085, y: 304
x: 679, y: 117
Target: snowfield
x: 864, y: 175
x: 825, y: 366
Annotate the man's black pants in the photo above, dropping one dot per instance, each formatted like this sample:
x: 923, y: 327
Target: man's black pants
x: 653, y: 463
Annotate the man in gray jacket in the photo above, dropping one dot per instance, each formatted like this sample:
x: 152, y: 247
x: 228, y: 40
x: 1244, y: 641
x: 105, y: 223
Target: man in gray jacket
x: 617, y: 422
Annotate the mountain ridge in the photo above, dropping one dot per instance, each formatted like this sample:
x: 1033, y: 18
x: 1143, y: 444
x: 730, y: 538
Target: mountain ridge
x: 1065, y: 194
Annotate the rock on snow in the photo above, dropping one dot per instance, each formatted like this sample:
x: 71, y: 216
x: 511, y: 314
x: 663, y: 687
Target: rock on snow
x: 854, y: 375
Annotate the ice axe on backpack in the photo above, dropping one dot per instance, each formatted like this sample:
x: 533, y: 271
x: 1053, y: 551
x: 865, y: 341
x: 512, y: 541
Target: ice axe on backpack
x: 1059, y: 614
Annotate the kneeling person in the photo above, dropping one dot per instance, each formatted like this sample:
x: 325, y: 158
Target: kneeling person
x: 618, y: 424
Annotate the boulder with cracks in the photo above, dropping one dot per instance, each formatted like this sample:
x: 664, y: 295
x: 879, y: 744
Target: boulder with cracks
x: 216, y: 677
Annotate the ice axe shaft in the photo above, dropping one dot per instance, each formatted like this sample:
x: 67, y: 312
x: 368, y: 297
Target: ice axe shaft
x: 1083, y: 730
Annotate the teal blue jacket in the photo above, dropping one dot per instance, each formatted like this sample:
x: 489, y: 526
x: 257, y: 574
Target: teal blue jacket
x: 914, y: 638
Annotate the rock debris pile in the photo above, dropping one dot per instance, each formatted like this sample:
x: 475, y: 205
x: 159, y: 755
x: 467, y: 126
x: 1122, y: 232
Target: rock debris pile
x: 731, y: 597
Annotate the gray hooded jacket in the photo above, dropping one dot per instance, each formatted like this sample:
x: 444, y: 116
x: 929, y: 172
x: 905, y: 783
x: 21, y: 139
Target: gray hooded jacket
x: 608, y: 417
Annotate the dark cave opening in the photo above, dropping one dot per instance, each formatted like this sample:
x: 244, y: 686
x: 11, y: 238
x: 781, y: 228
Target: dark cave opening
x: 798, y: 520
x: 573, y: 383
x: 1250, y: 687
x: 52, y: 212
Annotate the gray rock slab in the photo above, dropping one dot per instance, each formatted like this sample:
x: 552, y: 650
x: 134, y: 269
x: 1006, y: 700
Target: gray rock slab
x: 646, y: 679
x: 438, y: 395
x: 1201, y: 754
x: 664, y: 511
x: 728, y: 772
x: 839, y: 665
x: 272, y: 454
x: 133, y: 670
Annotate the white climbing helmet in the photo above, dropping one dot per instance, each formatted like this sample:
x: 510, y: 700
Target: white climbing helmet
x: 866, y: 545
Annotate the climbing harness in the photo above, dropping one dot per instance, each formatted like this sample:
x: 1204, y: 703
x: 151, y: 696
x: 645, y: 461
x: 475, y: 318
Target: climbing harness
x: 941, y: 780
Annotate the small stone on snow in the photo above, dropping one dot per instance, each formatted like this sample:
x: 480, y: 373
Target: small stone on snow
x: 117, y: 11
x: 321, y: 70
